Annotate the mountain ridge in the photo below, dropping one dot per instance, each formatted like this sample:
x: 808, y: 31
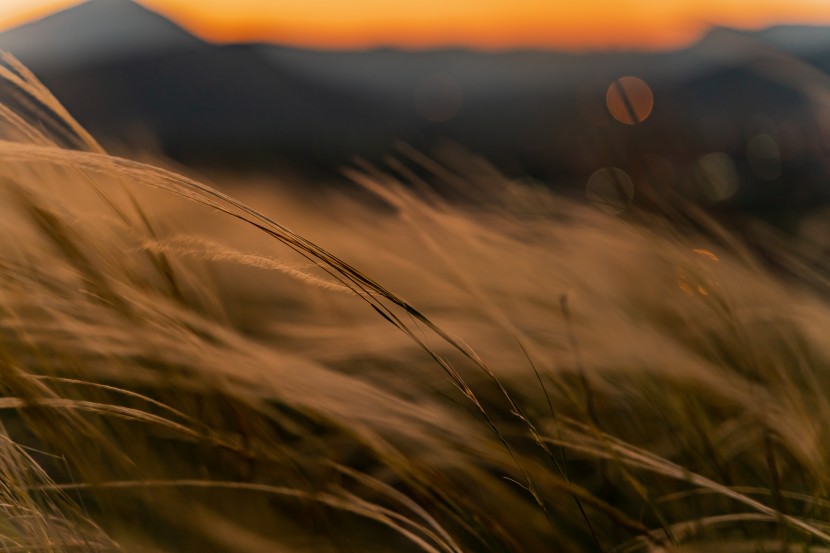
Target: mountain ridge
x: 95, y: 31
x: 124, y: 21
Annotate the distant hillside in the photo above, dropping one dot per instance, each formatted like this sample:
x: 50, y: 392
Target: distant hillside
x: 95, y: 31
x: 128, y: 74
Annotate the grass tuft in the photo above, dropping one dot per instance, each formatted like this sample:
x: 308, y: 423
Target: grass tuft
x: 506, y: 371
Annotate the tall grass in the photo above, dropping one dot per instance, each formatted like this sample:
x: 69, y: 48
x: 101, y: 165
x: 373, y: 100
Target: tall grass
x: 513, y: 372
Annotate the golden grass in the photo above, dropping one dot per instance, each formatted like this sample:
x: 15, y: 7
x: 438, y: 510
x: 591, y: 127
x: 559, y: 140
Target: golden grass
x: 181, y: 372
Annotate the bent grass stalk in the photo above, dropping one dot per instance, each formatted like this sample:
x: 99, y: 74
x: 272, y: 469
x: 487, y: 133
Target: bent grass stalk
x: 137, y: 401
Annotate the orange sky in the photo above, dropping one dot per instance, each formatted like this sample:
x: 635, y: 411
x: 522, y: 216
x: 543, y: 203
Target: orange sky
x: 575, y: 24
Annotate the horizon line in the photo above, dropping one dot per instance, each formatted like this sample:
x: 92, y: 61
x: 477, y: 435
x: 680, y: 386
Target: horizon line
x: 375, y: 37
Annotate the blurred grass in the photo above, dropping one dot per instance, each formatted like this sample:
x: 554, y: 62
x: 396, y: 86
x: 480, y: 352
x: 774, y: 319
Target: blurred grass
x: 181, y: 372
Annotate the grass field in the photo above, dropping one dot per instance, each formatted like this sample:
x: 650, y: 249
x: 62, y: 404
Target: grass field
x: 511, y: 372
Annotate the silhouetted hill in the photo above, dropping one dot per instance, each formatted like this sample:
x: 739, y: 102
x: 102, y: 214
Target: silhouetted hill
x: 93, y: 32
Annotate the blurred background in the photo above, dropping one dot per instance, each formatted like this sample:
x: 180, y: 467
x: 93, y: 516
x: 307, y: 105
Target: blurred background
x: 723, y: 102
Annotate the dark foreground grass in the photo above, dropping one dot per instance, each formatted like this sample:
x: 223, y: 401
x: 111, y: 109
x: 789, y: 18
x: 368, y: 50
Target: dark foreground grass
x: 181, y: 372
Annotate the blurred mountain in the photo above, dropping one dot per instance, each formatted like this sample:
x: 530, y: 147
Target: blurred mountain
x: 796, y: 39
x: 130, y: 75
x: 95, y: 31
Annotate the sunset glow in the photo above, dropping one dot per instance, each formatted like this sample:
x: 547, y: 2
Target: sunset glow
x: 479, y: 23
x: 18, y: 12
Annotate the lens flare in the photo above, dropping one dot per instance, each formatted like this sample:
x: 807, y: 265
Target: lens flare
x: 610, y: 189
x: 629, y: 100
x: 716, y: 176
x: 764, y: 157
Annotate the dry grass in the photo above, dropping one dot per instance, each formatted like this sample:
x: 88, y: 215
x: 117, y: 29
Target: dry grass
x: 181, y: 372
